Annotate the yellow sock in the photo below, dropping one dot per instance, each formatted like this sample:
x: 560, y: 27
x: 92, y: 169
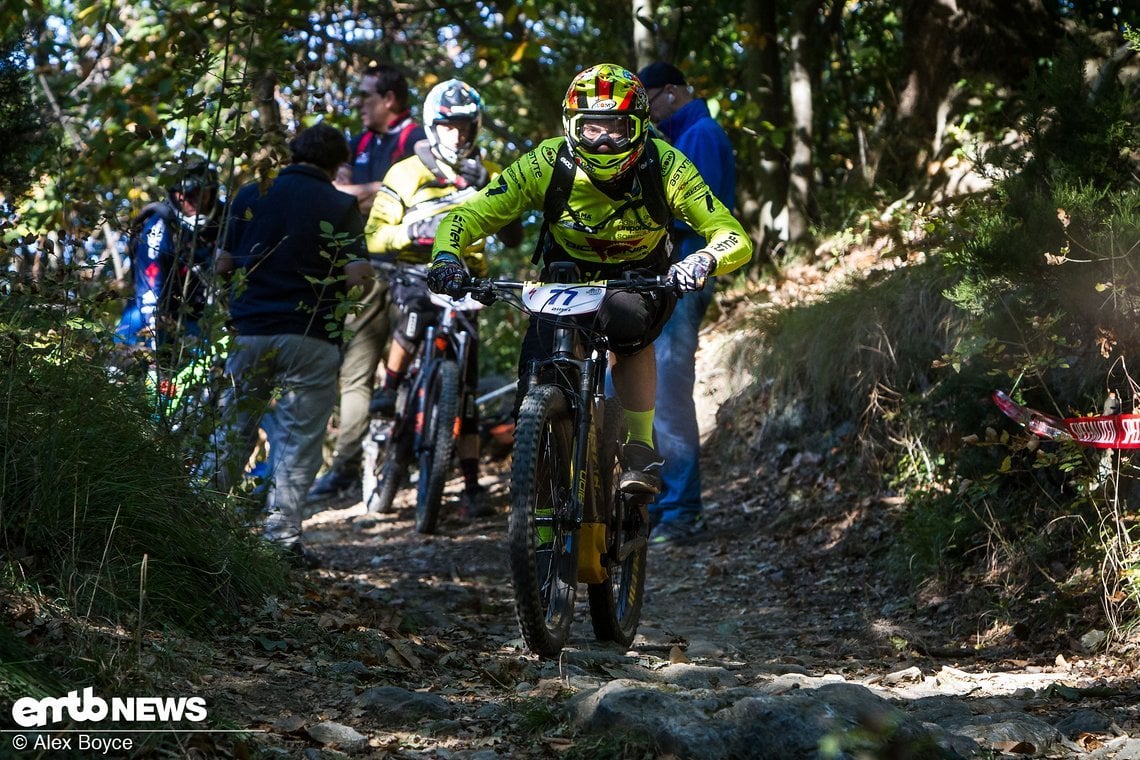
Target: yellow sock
x: 640, y: 426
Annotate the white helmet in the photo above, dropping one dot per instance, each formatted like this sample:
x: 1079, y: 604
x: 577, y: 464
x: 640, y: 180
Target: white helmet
x: 457, y: 104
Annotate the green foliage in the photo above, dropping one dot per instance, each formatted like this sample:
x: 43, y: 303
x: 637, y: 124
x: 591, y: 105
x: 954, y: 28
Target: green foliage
x: 21, y: 674
x: 1045, y: 266
x: 848, y: 357
x: 98, y: 509
x: 23, y: 134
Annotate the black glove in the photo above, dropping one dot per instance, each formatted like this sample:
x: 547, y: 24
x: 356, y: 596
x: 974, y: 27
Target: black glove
x: 422, y: 233
x: 473, y: 172
x: 447, y: 275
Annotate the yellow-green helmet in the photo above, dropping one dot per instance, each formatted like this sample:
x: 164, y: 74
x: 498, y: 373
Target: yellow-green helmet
x: 605, y: 115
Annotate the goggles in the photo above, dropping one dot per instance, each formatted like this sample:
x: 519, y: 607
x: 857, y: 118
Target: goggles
x: 596, y: 131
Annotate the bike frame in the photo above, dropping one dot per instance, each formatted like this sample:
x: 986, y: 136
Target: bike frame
x: 569, y: 523
x: 451, y: 338
x: 585, y: 399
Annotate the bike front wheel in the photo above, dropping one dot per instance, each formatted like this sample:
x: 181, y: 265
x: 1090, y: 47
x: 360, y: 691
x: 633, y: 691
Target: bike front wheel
x: 437, y: 443
x: 615, y: 603
x: 543, y: 552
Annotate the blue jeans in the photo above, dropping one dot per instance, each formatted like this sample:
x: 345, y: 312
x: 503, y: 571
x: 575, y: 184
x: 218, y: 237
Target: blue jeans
x: 675, y: 430
x: 298, y: 375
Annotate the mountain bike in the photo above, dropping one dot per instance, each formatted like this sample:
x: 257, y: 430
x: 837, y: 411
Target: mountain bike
x: 425, y: 428
x: 569, y: 523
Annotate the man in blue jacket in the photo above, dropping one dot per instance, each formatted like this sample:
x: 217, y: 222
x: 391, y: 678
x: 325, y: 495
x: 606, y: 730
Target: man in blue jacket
x: 685, y: 122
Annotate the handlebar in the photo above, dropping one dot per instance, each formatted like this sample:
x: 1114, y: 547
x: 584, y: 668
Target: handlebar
x: 489, y: 290
x: 401, y: 271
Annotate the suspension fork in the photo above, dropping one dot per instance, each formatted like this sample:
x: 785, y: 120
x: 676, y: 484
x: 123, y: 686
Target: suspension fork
x: 420, y: 389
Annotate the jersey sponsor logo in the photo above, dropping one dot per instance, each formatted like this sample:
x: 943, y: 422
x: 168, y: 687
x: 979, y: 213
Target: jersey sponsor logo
x: 613, y: 249
x: 499, y: 187
x: 536, y: 168
x: 455, y: 234
x: 730, y: 242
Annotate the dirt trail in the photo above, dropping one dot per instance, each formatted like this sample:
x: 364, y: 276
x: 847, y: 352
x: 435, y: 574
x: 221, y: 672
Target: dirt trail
x: 774, y: 587
x: 786, y: 581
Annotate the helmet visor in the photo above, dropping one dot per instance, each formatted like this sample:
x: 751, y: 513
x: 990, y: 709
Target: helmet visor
x: 613, y: 131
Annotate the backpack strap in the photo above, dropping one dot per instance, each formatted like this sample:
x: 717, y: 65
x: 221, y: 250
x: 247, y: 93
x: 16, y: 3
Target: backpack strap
x: 424, y: 154
x: 362, y: 143
x: 652, y: 186
x: 556, y: 198
x: 402, y: 141
x: 648, y: 171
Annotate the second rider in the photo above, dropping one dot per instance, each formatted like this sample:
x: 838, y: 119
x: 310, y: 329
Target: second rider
x: 416, y: 194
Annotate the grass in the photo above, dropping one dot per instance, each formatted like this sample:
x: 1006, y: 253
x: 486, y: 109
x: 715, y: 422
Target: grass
x: 101, y: 526
x: 852, y: 361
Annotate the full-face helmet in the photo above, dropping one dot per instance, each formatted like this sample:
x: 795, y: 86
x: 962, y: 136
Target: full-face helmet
x: 191, y: 175
x: 456, y: 104
x: 605, y: 116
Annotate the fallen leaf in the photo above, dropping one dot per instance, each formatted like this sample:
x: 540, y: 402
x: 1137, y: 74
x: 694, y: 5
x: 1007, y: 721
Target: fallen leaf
x: 1089, y: 742
x: 1017, y: 748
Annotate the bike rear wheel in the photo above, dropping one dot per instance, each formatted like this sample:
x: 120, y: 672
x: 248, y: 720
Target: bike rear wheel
x: 615, y: 603
x: 437, y: 443
x: 543, y: 553
x: 395, y: 458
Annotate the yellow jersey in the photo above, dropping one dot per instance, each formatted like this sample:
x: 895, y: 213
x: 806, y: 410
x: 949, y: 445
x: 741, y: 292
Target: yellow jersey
x: 412, y: 192
x: 593, y: 226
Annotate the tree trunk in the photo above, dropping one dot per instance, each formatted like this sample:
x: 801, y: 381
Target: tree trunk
x: 645, y: 45
x: 762, y: 183
x: 802, y: 145
x: 942, y: 39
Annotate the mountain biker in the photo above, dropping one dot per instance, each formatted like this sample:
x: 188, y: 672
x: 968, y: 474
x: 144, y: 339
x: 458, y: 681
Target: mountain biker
x: 171, y: 251
x: 446, y: 170
x: 607, y: 229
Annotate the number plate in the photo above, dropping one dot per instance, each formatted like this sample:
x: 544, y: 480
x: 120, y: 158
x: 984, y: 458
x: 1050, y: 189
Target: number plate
x: 563, y: 299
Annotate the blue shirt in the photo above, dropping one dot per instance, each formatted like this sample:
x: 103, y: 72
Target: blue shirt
x: 294, y: 269
x: 694, y: 132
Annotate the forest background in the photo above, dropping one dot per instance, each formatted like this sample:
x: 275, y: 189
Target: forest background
x: 975, y: 162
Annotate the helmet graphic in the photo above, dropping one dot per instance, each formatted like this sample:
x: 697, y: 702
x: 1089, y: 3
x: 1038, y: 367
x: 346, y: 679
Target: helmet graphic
x: 605, y: 116
x: 456, y: 104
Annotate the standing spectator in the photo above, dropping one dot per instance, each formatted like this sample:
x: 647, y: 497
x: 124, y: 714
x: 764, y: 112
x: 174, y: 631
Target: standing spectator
x: 390, y: 134
x: 291, y: 253
x: 448, y: 168
x: 687, y: 125
x: 171, y: 250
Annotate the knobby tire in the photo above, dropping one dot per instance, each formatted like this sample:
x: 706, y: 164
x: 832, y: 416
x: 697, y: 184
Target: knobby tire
x: 396, y: 456
x: 437, y: 445
x: 615, y: 603
x: 543, y: 554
